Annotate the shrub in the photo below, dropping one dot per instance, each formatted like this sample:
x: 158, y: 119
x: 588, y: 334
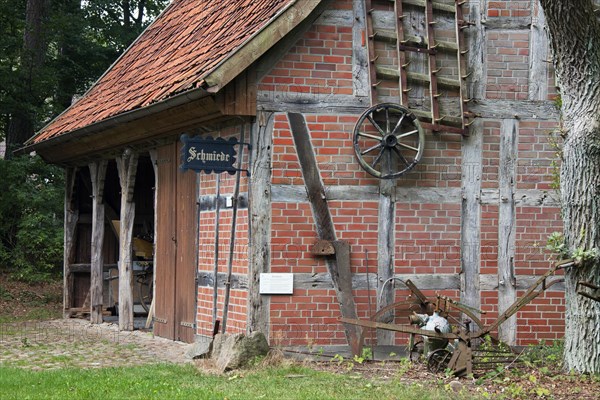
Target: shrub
x: 31, y: 218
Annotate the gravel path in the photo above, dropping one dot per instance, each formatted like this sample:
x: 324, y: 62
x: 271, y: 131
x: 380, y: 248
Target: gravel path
x: 77, y: 343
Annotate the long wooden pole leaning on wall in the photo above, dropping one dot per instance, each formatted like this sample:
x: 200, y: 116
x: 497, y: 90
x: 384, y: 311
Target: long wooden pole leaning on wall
x: 236, y: 195
x: 127, y: 166
x: 70, y: 229
x: 154, y: 158
x: 98, y: 176
x: 260, y: 216
x: 339, y: 267
x: 216, y: 255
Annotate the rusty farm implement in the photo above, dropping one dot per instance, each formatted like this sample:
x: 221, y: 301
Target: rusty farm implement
x: 454, y: 338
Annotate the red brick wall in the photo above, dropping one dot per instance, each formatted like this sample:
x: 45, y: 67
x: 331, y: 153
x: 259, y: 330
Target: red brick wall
x: 236, y: 317
x: 427, y: 235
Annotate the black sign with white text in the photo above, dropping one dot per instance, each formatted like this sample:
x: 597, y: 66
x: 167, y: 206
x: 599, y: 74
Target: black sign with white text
x: 208, y: 154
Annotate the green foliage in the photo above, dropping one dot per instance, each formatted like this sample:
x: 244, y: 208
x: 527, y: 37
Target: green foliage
x: 31, y: 218
x: 544, y: 356
x: 557, y: 245
x: 80, y: 41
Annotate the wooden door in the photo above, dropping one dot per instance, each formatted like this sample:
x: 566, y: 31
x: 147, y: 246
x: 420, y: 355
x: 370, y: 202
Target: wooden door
x: 176, y: 236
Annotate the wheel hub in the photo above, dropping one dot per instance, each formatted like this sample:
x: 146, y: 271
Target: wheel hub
x: 390, y: 141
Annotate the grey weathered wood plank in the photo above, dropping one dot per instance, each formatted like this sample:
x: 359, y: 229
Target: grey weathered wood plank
x: 539, y: 53
x: 70, y: 226
x: 385, y: 246
x: 360, y: 55
x: 127, y: 167
x: 318, y: 281
x: 471, y: 215
x: 507, y: 178
x: 260, y: 222
x: 98, y: 176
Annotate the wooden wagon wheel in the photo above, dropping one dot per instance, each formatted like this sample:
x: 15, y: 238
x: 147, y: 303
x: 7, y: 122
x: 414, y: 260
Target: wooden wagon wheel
x: 388, y: 140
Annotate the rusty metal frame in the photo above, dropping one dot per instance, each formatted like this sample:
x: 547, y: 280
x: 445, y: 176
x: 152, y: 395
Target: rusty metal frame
x: 461, y: 361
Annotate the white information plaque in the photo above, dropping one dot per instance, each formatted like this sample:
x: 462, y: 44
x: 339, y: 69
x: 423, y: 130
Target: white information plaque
x: 276, y: 283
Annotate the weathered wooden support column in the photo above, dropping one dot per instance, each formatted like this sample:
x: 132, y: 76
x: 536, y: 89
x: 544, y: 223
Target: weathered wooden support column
x: 539, y: 54
x: 470, y: 257
x: 507, y: 219
x: 360, y: 55
x: 127, y: 166
x: 341, y: 276
x: 98, y: 176
x: 472, y: 158
x: 70, y: 229
x: 385, y: 249
x: 260, y: 221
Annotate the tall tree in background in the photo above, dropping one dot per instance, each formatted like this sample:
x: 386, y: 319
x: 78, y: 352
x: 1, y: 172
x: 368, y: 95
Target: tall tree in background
x: 575, y: 39
x: 53, y: 50
x: 27, y: 96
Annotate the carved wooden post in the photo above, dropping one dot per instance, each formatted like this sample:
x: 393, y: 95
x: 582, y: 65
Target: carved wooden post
x: 70, y: 225
x: 127, y: 166
x: 97, y: 175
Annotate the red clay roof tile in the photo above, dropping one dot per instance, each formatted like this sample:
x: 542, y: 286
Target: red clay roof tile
x: 183, y: 45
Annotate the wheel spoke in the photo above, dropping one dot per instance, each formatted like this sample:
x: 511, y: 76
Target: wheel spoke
x: 387, y: 120
x: 370, y: 149
x: 408, y: 147
x: 375, y: 124
x: 378, y: 158
x: 403, y: 135
x: 399, y: 124
x: 401, y: 157
x: 369, y: 136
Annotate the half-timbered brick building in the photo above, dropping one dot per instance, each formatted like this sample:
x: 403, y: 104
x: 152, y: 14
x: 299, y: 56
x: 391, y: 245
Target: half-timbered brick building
x: 333, y: 200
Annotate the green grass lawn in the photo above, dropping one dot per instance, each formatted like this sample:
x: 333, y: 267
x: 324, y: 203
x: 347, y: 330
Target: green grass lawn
x: 186, y: 382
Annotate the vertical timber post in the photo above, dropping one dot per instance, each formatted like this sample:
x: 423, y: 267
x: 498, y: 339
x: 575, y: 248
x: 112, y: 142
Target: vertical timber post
x: 360, y: 54
x: 507, y: 283
x: 538, y: 59
x: 472, y: 157
x: 70, y: 229
x: 98, y: 176
x: 127, y: 166
x: 385, y: 247
x: 260, y: 215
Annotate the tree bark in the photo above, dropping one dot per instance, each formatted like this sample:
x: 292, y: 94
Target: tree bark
x: 574, y: 33
x: 21, y: 124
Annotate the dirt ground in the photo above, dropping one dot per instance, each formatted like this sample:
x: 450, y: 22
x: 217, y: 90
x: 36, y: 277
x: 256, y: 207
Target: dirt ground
x: 32, y: 336
x: 514, y: 383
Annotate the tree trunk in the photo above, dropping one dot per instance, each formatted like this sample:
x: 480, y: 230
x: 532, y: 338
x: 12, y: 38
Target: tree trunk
x: 67, y: 55
x: 21, y: 125
x: 574, y: 34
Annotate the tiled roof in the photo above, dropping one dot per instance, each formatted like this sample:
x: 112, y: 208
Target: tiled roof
x: 183, y: 45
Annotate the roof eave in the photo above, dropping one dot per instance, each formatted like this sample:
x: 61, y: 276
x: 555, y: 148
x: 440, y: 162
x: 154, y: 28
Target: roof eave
x: 116, y: 120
